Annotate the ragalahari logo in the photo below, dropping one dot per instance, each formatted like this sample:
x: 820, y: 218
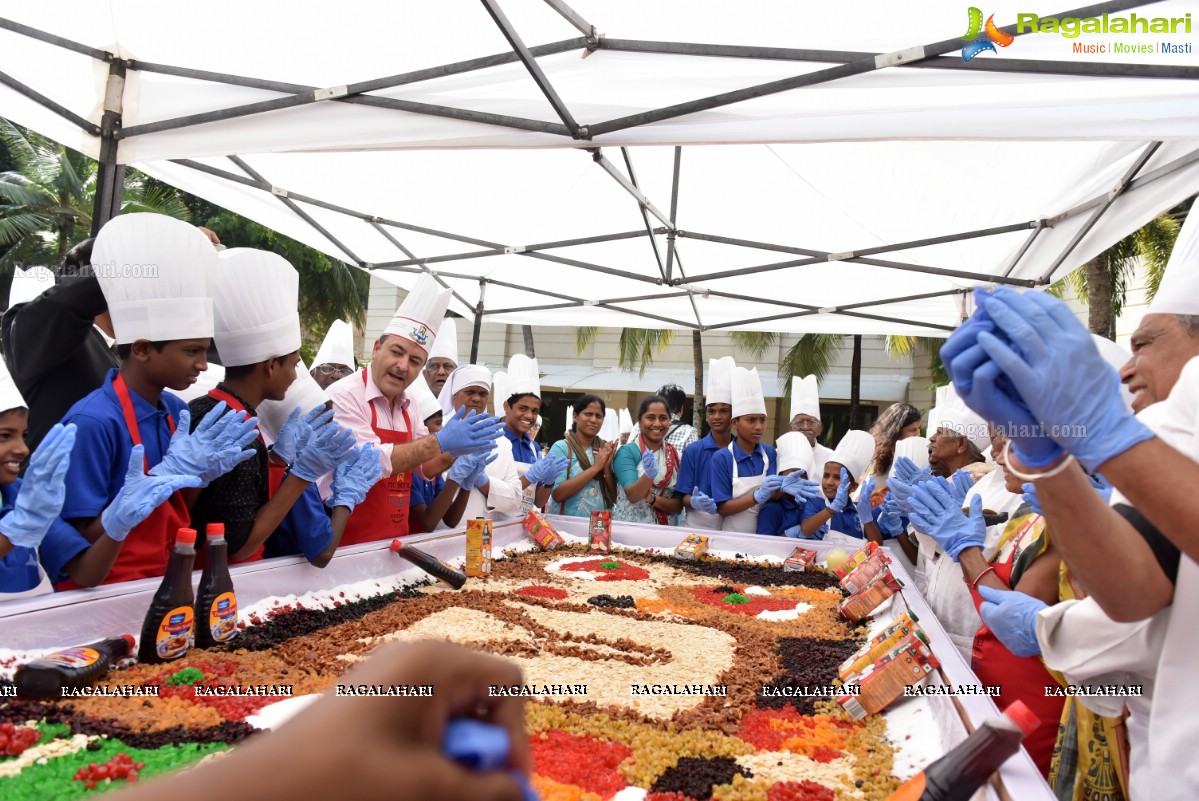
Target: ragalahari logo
x: 983, y: 37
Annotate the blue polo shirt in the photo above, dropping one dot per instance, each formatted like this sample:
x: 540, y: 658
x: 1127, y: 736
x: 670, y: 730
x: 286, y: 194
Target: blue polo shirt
x: 425, y: 490
x: 695, y: 466
x: 305, y: 529
x: 524, y: 449
x: 19, y: 568
x: 748, y: 466
x: 775, y: 517
x: 102, y: 445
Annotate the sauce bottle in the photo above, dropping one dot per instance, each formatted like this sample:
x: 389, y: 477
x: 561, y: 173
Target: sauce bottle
x: 44, y: 678
x: 216, y: 604
x: 967, y: 767
x: 169, y: 629
x: 430, y: 564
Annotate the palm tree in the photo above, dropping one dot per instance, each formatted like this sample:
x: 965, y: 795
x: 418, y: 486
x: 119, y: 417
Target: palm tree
x: 637, y: 345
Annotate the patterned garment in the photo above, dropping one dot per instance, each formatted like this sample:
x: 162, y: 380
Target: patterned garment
x: 586, y: 500
x: 641, y: 512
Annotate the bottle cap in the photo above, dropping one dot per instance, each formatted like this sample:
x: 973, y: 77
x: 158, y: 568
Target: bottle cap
x: 186, y: 536
x: 216, y: 529
x: 129, y: 639
x: 396, y: 545
x: 1023, y: 717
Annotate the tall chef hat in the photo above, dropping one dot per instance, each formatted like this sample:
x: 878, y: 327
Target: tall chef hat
x: 1117, y: 357
x: 338, y: 346
x: 1179, y: 290
x: 854, y: 452
x: 805, y: 396
x: 421, y: 398
x: 155, y: 272
x: 10, y: 396
x: 523, y: 377
x: 28, y: 284
x: 720, y: 380
x: 794, y: 451
x: 747, y: 393
x: 953, y: 415
x: 610, y: 430
x: 914, y: 448
x: 303, y: 394
x: 420, y: 312
x: 255, y: 302
x: 468, y: 375
x: 446, y: 346
x: 499, y: 391
x: 626, y: 422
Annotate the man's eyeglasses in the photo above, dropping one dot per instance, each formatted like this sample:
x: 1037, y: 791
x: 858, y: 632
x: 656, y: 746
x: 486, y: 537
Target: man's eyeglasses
x: 328, y: 369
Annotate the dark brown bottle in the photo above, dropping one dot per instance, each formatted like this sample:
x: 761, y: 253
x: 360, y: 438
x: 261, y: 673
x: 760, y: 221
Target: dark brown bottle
x: 216, y: 603
x: 170, y: 627
x: 430, y: 564
x: 44, y: 678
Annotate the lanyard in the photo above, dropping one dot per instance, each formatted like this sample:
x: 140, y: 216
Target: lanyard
x: 122, y: 390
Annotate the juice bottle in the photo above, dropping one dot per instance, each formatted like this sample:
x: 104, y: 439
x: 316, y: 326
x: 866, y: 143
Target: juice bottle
x: 169, y: 629
x: 967, y: 767
x: 44, y: 678
x: 216, y: 603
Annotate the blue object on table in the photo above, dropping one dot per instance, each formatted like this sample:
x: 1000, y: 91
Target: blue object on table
x: 481, y: 747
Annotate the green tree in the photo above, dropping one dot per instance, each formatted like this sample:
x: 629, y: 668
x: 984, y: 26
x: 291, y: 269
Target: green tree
x: 637, y: 345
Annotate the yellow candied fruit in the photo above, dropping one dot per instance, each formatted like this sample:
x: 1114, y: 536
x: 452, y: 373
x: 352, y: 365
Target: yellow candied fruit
x: 741, y: 789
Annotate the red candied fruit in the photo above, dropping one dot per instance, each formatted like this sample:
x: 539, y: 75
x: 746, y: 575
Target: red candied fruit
x: 542, y: 591
x: 768, y: 729
x: 580, y: 761
x: 756, y: 604
x: 120, y: 768
x: 799, y: 791
x: 622, y: 573
x: 14, y: 740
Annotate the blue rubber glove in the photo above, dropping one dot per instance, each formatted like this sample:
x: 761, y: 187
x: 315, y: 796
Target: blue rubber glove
x: 1012, y: 617
x: 43, y: 492
x: 649, y: 464
x: 890, y: 521
x: 960, y: 484
x: 796, y: 533
x: 907, y: 471
x: 862, y: 504
x: 1097, y: 481
x: 482, y: 747
x: 770, y: 485
x: 1046, y: 340
x: 140, y: 495
x: 800, y: 488
x: 841, y: 500
x: 216, y: 446
x: 939, y: 515
x: 1030, y: 498
x: 962, y: 345
x: 469, y: 433
x: 1102, y: 487
x: 354, y: 477
x: 478, y: 476
x: 702, y: 503
x: 326, y: 448
x: 545, y: 472
x: 296, y: 431
x: 462, y: 469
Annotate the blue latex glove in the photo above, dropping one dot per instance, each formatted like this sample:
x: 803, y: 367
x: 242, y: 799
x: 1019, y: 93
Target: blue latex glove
x: 326, y: 448
x: 962, y: 345
x: 296, y: 431
x: 907, y: 471
x: 1097, y: 481
x: 800, y: 488
x: 479, y: 476
x: 890, y: 521
x: 796, y: 532
x: 353, y: 478
x: 1102, y: 487
x: 770, y: 485
x: 938, y: 514
x: 216, y: 446
x: 960, y: 484
x: 41, y: 496
x: 841, y: 500
x: 545, y: 472
x: 462, y: 469
x: 1030, y: 498
x: 469, y: 433
x: 1012, y: 617
x: 482, y: 747
x: 702, y: 503
x: 1045, y: 340
x: 140, y: 495
x: 649, y: 464
x: 862, y: 504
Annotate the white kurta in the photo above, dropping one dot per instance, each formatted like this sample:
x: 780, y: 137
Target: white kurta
x: 502, y: 501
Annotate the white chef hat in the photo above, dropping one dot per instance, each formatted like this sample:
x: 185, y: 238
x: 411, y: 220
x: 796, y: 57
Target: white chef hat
x: 338, y: 346
x: 1117, y: 357
x: 207, y: 380
x: 747, y: 393
x: 28, y: 284
x: 468, y: 375
x: 499, y: 391
x: 963, y: 422
x: 610, y: 430
x: 303, y: 394
x: 1179, y: 289
x: 854, y: 452
x: 720, y: 380
x: 805, y: 396
x: 914, y: 448
x: 421, y: 310
x: 626, y: 422
x: 523, y: 376
x: 10, y: 396
x: 155, y: 272
x: 794, y: 451
x: 446, y: 346
x: 421, y: 398
x: 255, y: 304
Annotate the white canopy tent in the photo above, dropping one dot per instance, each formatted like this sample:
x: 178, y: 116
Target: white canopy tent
x: 835, y: 168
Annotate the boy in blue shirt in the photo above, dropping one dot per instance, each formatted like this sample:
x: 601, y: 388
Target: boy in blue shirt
x: 833, y: 510
x: 795, y: 458
x: 695, y: 475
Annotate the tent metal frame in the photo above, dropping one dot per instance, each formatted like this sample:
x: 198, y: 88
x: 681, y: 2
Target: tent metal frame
x: 844, y: 64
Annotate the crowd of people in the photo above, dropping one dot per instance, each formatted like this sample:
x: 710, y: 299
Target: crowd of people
x: 1045, y: 516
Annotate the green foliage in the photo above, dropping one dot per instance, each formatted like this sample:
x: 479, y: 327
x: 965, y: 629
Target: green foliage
x: 637, y: 345
x: 1151, y: 244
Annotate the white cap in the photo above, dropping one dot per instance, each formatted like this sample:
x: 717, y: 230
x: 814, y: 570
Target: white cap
x: 1117, y: 357
x: 499, y: 391
x: 422, y: 399
x: 720, y: 380
x: 255, y: 305
x: 963, y: 422
x: 207, y: 380
x: 446, y: 346
x: 854, y: 452
x: 420, y: 311
x: 523, y: 376
x: 155, y: 272
x: 10, y: 396
x: 304, y: 394
x: 805, y: 396
x: 1179, y: 289
x: 610, y: 430
x: 468, y: 375
x: 626, y: 422
x: 794, y: 450
x: 28, y: 284
x: 914, y: 448
x: 747, y: 393
x: 338, y: 346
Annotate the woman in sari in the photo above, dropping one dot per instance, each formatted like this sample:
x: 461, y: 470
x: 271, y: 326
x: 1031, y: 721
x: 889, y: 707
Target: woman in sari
x: 646, y: 470
x: 588, y: 482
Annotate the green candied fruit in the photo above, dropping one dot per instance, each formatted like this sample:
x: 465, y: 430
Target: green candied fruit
x: 735, y: 598
x: 186, y: 677
x: 610, y: 565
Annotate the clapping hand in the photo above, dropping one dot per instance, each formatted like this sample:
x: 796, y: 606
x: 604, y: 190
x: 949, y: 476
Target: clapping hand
x: 216, y: 446
x: 702, y: 503
x: 140, y: 495
x: 43, y: 492
x: 649, y: 465
x: 841, y: 500
x: 799, y: 487
x: 862, y: 504
x: 545, y: 472
x: 294, y: 433
x: 353, y: 477
x: 936, y: 512
x: 770, y: 485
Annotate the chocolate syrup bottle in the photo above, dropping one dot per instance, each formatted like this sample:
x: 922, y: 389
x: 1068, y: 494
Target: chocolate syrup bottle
x: 44, y: 678
x: 169, y: 629
x: 216, y: 603
x: 430, y: 564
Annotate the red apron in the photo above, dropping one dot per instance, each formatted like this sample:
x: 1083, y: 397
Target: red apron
x: 276, y: 474
x: 383, y: 514
x: 148, y: 546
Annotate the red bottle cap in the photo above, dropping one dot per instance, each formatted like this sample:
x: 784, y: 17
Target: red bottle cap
x: 216, y: 528
x: 1023, y: 717
x: 129, y: 639
x: 186, y: 536
x: 395, y: 545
